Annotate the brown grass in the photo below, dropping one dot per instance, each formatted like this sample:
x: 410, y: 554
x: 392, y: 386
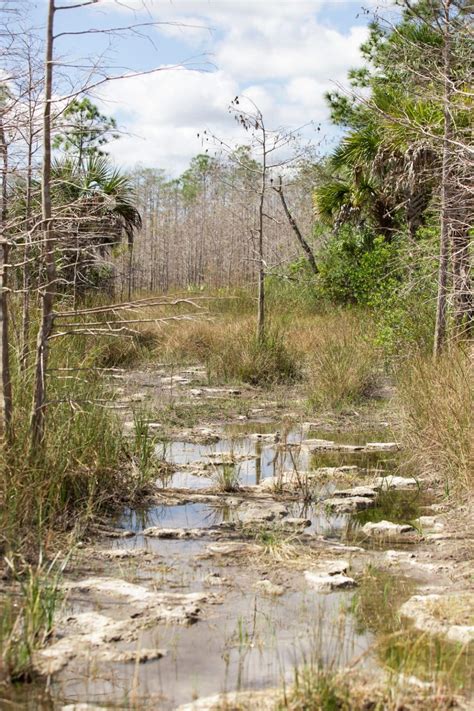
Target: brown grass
x: 436, y: 400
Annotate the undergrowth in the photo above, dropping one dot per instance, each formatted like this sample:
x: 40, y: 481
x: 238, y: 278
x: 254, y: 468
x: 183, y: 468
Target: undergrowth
x: 436, y: 399
x: 27, y: 616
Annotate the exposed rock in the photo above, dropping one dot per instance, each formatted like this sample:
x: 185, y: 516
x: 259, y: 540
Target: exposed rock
x: 382, y: 446
x: 286, y: 481
x: 232, y: 548
x: 161, y: 606
x: 397, y: 483
x: 256, y: 512
x: 450, y: 615
x: 180, y: 533
x: 249, y: 700
x: 430, y: 523
x: 327, y: 583
x: 348, y: 504
x: 330, y: 575
x: 387, y: 529
x: 83, y: 707
x: 83, y: 632
x: 365, y: 491
x: 268, y: 588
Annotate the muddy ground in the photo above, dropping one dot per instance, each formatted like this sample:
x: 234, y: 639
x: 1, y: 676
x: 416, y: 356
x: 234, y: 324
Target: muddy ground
x: 275, y: 539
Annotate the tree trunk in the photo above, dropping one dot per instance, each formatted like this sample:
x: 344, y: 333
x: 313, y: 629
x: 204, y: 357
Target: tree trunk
x: 48, y: 249
x: 5, y: 380
x: 261, y: 263
x: 442, y: 299
x: 306, y: 248
x: 460, y: 255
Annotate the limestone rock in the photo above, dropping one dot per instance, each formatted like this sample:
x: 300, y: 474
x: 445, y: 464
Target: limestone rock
x: 382, y: 446
x: 255, y: 512
x: 348, y: 504
x: 395, y: 483
x: 450, y: 615
x: 327, y: 583
x: 365, y: 491
x: 387, y: 529
x: 232, y: 548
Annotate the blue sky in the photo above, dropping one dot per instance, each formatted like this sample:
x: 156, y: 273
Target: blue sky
x: 284, y: 54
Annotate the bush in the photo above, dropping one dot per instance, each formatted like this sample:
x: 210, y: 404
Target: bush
x: 357, y: 267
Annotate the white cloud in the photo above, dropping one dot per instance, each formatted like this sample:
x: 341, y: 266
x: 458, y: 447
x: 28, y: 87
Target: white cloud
x: 283, y: 54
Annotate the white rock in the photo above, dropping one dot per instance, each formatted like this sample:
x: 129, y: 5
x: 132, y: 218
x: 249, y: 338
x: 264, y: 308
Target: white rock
x: 387, y: 529
x: 430, y: 523
x: 365, y: 491
x: 255, y: 513
x: 327, y: 583
x: 398, y: 483
x: 348, y: 504
x: 231, y: 547
x: 382, y: 446
x: 422, y: 610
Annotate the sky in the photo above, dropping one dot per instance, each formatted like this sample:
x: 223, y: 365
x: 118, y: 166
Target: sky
x: 283, y: 54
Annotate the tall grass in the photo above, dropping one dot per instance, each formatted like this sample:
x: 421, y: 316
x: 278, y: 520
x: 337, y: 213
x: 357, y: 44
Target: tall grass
x: 231, y: 352
x: 27, y: 617
x: 437, y: 404
x: 84, y: 468
x: 343, y: 361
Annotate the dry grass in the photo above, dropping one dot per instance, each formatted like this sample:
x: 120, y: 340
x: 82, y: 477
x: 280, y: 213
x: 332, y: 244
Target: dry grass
x: 342, y: 359
x: 436, y: 400
x: 229, y: 349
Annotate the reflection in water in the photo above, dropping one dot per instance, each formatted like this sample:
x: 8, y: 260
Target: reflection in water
x: 256, y: 460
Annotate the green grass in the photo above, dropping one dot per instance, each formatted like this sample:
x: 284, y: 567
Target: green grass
x: 400, y: 648
x: 27, y: 615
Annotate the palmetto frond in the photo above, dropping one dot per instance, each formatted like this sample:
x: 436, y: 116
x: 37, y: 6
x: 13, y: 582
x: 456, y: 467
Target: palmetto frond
x: 358, y: 149
x: 101, y: 185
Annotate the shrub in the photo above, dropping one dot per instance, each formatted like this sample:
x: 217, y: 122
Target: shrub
x: 357, y: 267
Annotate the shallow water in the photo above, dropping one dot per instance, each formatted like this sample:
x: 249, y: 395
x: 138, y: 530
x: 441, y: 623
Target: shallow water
x: 244, y: 639
x: 265, y: 459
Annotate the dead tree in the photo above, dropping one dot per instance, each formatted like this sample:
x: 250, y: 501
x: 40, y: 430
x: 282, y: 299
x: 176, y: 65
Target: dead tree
x: 294, y: 226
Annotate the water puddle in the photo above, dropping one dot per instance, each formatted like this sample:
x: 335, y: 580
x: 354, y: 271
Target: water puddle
x: 245, y: 638
x: 199, y: 466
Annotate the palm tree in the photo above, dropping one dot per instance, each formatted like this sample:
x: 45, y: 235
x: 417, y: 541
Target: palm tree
x: 96, y: 210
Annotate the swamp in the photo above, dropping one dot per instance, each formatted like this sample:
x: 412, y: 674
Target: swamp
x: 236, y: 305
